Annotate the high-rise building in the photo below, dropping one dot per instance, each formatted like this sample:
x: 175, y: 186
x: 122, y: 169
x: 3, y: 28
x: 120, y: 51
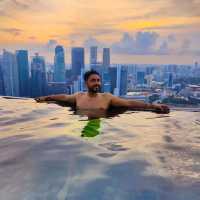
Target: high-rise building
x: 149, y: 70
x: 196, y: 65
x: 106, y: 81
x: 106, y: 57
x: 97, y: 67
x: 23, y: 71
x: 58, y: 88
x: 38, y: 76
x: 59, y: 64
x: 149, y: 79
x: 113, y: 78
x: 68, y: 74
x: 93, y: 55
x: 141, y: 78
x: 50, y: 76
x: 124, y: 78
x: 78, y: 62
x: 170, y: 80
x: 10, y: 74
x: 121, y: 88
x: 2, y: 88
x: 196, y: 70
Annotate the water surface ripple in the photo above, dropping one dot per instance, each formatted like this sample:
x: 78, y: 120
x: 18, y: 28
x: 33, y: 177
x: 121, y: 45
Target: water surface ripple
x: 133, y: 156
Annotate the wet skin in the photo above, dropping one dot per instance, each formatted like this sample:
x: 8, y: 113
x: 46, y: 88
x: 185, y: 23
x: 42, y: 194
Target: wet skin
x: 94, y: 102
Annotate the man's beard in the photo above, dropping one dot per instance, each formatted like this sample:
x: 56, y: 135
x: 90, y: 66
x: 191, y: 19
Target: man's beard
x: 95, y: 89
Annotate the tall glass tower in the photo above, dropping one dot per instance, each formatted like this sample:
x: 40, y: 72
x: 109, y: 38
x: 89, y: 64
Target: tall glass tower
x: 93, y: 55
x: 59, y: 64
x: 38, y: 76
x: 78, y: 61
x: 10, y: 74
x: 106, y: 57
x: 23, y: 71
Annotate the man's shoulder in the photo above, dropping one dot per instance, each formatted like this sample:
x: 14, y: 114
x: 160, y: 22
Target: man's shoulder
x: 107, y: 95
x: 78, y: 94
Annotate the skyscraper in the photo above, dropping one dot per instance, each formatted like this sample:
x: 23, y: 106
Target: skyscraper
x: 77, y: 61
x: 121, y: 87
x: 59, y: 64
x: 106, y: 81
x: 106, y: 57
x: 2, y: 89
x: 38, y: 76
x: 170, y: 80
x: 23, y: 71
x: 123, y: 81
x: 141, y: 77
x: 113, y: 78
x: 93, y: 55
x: 10, y: 74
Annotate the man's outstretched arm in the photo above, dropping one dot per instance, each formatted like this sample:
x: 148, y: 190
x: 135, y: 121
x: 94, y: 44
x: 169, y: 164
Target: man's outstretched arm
x: 59, y: 97
x: 138, y: 105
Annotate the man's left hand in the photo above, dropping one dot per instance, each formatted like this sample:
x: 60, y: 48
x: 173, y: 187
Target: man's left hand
x: 161, y: 108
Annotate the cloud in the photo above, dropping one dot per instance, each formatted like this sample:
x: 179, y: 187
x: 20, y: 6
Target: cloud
x: 147, y: 43
x: 86, y: 36
x: 143, y: 43
x: 3, y: 13
x: 186, y: 44
x: 163, y: 49
x: 93, y: 31
x: 91, y: 41
x: 12, y: 31
x: 168, y: 27
x: 170, y: 8
x: 8, y: 6
x: 185, y: 47
x: 23, y: 4
x: 125, y: 45
x: 32, y: 38
x: 176, y: 8
x: 171, y: 38
x: 186, y: 7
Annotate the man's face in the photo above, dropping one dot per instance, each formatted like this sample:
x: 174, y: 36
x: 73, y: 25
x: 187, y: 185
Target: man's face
x: 94, y: 83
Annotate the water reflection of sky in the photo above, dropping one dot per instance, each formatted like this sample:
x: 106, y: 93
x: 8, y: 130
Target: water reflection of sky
x: 141, y: 155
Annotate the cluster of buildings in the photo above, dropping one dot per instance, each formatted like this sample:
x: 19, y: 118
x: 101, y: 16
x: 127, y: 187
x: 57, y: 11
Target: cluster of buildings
x: 176, y: 83
x: 19, y: 77
x: 24, y: 78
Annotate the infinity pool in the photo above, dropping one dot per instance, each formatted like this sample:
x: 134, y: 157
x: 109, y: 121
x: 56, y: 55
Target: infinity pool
x: 134, y: 155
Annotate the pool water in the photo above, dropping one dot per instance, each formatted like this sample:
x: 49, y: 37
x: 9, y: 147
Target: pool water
x: 47, y: 152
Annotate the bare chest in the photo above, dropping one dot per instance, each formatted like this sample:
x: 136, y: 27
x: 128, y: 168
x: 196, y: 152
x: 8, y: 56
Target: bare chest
x: 85, y: 102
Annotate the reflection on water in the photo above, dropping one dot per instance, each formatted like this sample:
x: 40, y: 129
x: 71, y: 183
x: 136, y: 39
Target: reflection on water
x: 92, y: 128
x: 127, y: 156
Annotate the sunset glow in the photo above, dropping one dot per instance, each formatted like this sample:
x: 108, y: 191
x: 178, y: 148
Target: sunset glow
x: 36, y: 22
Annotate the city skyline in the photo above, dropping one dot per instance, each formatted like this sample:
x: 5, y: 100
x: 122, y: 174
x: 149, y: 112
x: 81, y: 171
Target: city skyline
x: 136, y: 32
x: 164, y: 83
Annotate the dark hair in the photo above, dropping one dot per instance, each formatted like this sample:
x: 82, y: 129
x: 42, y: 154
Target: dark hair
x: 89, y: 73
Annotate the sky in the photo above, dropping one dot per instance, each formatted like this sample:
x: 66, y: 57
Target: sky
x: 137, y: 31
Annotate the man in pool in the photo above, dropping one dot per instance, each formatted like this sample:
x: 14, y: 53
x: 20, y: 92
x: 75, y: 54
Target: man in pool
x: 93, y: 99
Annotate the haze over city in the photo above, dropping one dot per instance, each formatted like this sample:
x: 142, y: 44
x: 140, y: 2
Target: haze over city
x: 159, y: 32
